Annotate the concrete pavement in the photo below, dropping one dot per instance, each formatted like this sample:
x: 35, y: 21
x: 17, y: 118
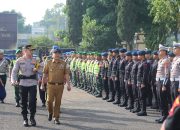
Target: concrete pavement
x: 80, y: 111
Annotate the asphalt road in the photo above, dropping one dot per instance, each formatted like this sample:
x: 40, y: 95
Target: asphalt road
x: 80, y: 111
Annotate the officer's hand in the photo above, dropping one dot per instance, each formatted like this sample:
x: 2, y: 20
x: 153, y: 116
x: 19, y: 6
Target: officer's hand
x: 35, y: 70
x: 163, y: 88
x: 129, y: 82
x: 42, y: 87
x: 104, y: 78
x: 68, y: 88
x: 142, y: 85
x: 116, y: 78
x: 179, y: 90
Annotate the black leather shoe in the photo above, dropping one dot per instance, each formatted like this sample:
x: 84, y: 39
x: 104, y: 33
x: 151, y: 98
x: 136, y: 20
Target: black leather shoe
x: 105, y: 98
x: 161, y: 120
x: 17, y: 105
x: 98, y: 95
x: 43, y: 105
x: 128, y: 107
x: 141, y: 114
x: 56, y: 121
x: 136, y: 110
x: 116, y: 102
x: 157, y: 120
x: 49, y: 117
x: 25, y: 123
x: 110, y: 100
x: 123, y: 105
x: 2, y: 101
x: 33, y: 121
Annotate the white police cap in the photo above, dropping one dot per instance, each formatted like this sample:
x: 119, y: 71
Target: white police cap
x: 176, y: 44
x: 1, y: 51
x: 163, y: 48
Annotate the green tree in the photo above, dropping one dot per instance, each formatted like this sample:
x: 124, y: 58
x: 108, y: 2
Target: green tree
x: 126, y: 20
x: 166, y: 13
x: 41, y: 41
x: 74, y: 12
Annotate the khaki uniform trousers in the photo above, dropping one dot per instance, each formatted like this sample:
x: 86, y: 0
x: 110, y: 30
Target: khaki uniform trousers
x: 54, y: 95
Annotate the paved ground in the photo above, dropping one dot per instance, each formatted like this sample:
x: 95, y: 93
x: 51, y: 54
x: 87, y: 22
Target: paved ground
x: 80, y: 111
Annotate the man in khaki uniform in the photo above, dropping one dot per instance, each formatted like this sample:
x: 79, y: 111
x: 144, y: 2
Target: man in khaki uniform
x: 56, y: 74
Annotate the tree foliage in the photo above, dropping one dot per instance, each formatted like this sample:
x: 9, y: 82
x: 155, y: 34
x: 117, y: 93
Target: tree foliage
x: 75, y: 12
x: 166, y: 13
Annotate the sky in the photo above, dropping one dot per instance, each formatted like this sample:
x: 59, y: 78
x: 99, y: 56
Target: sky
x: 32, y: 10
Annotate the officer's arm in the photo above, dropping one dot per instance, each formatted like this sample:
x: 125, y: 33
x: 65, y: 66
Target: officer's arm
x: 145, y: 72
x: 67, y: 71
x: 167, y: 71
x: 45, y: 72
x: 15, y: 71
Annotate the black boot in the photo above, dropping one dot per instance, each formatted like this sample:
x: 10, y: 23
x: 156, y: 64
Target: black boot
x: 17, y: 104
x: 142, y: 113
x: 105, y: 98
x: 49, y: 117
x: 25, y: 123
x: 110, y: 100
x: 136, y: 107
x: 32, y: 120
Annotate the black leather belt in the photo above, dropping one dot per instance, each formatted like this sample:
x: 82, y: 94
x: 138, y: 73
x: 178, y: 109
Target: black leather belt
x: 27, y: 77
x: 55, y: 83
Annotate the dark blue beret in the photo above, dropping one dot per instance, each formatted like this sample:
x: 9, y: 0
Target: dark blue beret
x: 148, y: 51
x: 104, y: 54
x: 128, y: 53
x: 115, y: 50
x: 110, y: 50
x: 122, y: 50
x: 155, y: 52
x: 141, y: 52
x: 57, y: 50
x: 135, y: 53
x: 171, y: 54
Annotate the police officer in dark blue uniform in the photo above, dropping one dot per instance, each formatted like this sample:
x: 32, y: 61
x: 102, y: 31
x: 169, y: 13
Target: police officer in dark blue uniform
x: 103, y: 74
x: 134, y: 82
x: 121, y: 69
x: 142, y: 81
x: 127, y: 80
x: 111, y: 59
x: 155, y: 105
x: 114, y: 76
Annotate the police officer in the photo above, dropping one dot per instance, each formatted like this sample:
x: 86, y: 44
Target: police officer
x: 55, y: 74
x: 142, y: 81
x: 127, y: 80
x: 4, y: 66
x: 153, y: 79
x: 42, y: 94
x: 150, y: 62
x: 162, y: 79
x: 171, y: 56
x: 134, y: 82
x: 121, y: 70
x: 175, y: 72
x: 111, y: 59
x: 25, y: 67
x: 16, y: 87
x: 103, y: 73
x: 115, y: 76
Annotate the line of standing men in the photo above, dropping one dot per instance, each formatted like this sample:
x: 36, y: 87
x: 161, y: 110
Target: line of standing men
x: 131, y: 79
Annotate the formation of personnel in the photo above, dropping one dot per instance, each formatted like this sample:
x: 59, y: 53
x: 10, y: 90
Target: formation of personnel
x: 131, y: 79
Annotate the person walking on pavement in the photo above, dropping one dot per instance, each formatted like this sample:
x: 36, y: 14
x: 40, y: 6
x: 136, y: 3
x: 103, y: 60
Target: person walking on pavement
x: 55, y: 74
x: 4, y: 66
x: 42, y: 93
x: 16, y: 87
x: 25, y: 67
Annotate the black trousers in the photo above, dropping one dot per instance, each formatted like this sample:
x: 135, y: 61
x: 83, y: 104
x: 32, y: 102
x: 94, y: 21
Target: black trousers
x: 122, y: 89
x: 129, y: 93
x: 28, y: 92
x: 117, y: 90
x: 142, y: 97
x: 154, y: 91
x: 149, y: 94
x: 174, y: 90
x: 163, y: 98
x: 42, y: 94
x: 111, y: 88
x: 4, y: 79
x: 105, y: 86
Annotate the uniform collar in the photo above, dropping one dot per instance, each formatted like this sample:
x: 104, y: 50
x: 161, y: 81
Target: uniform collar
x: 55, y: 61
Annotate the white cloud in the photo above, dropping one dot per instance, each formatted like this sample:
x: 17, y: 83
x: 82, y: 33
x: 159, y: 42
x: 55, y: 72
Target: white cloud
x: 33, y: 10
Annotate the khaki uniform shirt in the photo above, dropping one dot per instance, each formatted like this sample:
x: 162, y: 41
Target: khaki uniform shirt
x: 56, y: 71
